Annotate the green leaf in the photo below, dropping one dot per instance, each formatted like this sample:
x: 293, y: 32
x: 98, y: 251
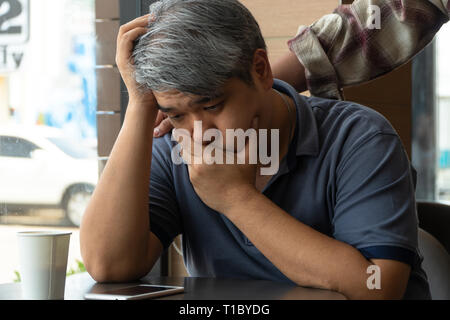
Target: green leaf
x: 17, y: 279
x: 80, y: 268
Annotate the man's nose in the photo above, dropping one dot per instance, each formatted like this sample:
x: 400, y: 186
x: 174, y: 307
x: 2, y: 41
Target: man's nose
x: 198, y: 129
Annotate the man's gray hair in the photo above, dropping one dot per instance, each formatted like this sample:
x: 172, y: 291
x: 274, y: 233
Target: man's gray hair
x: 195, y: 46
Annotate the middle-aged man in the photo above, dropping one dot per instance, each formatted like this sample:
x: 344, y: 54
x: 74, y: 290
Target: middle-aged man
x: 340, y: 205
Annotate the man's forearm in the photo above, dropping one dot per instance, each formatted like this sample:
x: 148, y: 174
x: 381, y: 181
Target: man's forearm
x: 116, y: 218
x: 304, y: 255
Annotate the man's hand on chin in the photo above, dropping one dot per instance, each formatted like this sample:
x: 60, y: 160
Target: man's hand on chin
x: 221, y: 186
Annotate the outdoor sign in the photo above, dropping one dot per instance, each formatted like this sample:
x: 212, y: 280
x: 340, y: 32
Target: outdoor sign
x: 14, y: 33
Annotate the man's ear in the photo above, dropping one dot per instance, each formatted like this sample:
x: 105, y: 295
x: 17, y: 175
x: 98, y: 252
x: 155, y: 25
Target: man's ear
x: 262, y: 71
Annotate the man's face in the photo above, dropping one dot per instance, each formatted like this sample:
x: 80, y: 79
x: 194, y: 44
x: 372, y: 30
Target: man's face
x: 234, y: 109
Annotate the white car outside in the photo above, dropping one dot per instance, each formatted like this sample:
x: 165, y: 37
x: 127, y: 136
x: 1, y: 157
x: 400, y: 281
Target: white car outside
x: 40, y: 166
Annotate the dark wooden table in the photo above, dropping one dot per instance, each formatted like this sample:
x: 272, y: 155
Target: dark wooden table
x: 195, y: 289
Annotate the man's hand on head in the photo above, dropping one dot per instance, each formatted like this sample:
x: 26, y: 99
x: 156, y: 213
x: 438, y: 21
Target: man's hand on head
x: 127, y: 36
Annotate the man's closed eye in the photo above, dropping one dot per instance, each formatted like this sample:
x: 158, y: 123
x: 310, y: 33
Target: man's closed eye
x: 214, y: 107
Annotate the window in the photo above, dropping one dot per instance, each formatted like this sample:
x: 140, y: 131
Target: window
x: 443, y: 106
x: 431, y: 115
x: 48, y: 124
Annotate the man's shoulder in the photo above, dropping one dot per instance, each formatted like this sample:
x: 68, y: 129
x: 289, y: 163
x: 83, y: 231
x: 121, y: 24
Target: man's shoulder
x: 349, y: 117
x: 345, y: 126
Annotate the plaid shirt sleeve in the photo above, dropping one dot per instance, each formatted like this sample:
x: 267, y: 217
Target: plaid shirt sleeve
x: 349, y: 47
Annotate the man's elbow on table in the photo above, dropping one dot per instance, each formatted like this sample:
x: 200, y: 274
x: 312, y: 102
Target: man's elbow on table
x: 391, y: 285
x: 109, y: 273
x: 120, y: 268
x: 102, y: 266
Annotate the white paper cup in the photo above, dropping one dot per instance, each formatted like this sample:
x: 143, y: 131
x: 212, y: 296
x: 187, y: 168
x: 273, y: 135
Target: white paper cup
x: 43, y: 264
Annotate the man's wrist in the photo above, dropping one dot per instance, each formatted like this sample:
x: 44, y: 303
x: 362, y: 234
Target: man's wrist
x: 242, y: 197
x: 141, y: 116
x: 141, y: 108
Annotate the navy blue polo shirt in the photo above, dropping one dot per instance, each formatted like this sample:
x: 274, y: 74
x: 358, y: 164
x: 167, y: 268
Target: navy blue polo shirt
x: 346, y: 174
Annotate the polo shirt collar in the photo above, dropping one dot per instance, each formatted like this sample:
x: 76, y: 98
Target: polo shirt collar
x: 306, y: 136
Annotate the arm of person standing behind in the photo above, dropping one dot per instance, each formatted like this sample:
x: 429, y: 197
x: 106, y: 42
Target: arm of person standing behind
x: 349, y: 47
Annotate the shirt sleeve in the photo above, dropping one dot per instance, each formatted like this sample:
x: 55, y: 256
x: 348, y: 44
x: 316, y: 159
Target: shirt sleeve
x: 165, y: 219
x: 375, y: 209
x: 350, y: 46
